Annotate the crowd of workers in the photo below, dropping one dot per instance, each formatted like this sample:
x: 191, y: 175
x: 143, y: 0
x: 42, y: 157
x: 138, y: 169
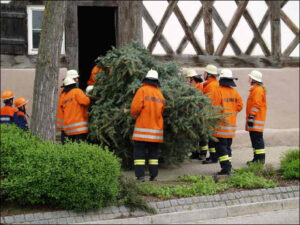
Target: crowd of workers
x: 147, y: 110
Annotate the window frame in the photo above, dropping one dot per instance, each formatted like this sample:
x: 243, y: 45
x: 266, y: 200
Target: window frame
x: 31, y: 50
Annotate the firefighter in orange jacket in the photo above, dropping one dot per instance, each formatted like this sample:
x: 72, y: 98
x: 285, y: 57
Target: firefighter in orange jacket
x: 196, y: 81
x: 74, y: 105
x: 20, y: 116
x: 92, y: 79
x: 228, y: 98
x: 256, y: 113
x: 210, y: 76
x: 7, y: 111
x: 60, y: 116
x: 147, y: 109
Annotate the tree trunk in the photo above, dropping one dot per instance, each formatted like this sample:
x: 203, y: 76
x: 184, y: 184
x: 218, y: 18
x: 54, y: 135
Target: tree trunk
x: 47, y: 70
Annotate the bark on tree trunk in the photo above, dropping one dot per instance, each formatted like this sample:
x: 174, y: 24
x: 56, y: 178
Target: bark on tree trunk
x: 47, y: 69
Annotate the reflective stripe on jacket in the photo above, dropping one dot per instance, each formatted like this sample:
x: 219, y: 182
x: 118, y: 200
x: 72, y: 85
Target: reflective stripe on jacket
x: 60, y: 114
x: 92, y: 79
x: 256, y: 106
x: 148, y: 105
x: 7, y: 114
x: 75, y: 110
x: 210, y: 86
x: 231, y: 101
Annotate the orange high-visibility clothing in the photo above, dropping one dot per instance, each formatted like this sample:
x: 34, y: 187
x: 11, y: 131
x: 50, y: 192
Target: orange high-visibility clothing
x: 75, y: 110
x: 7, y: 114
x: 199, y: 86
x: 60, y: 114
x: 231, y: 101
x: 92, y: 79
x: 148, y: 104
x: 256, y: 106
x: 210, y: 86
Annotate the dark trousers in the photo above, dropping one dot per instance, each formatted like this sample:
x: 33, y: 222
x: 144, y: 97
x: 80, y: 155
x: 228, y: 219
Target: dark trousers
x: 139, y: 154
x: 62, y: 137
x: 203, y: 145
x: 223, y: 149
x: 78, y: 137
x: 212, y: 149
x: 258, y: 145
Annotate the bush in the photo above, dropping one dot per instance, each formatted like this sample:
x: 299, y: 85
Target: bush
x: 289, y: 164
x: 72, y: 176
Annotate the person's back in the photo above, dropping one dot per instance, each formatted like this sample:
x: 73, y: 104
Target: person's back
x: 20, y: 116
x: 75, y: 110
x: 231, y: 101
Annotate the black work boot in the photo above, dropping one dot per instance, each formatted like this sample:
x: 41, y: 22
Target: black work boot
x: 153, y: 178
x: 224, y: 172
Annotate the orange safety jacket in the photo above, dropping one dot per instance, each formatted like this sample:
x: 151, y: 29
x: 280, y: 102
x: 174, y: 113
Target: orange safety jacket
x: 256, y: 106
x: 60, y: 114
x: 92, y: 79
x: 199, y: 86
x: 148, y: 105
x: 7, y: 114
x: 210, y: 86
x: 231, y: 101
x: 75, y: 110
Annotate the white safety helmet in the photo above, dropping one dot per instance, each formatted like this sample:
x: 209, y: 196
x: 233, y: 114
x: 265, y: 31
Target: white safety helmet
x: 256, y: 75
x: 211, y: 69
x: 72, y: 73
x: 69, y: 81
x: 226, y: 73
x: 190, y: 73
x: 89, y: 89
x: 152, y: 74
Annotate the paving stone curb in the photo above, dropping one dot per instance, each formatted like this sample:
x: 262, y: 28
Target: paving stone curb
x: 162, y: 207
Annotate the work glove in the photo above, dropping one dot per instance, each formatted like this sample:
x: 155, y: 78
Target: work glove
x: 250, y: 120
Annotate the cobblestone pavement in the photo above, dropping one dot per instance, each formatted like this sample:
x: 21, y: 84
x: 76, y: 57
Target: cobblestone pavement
x: 168, y: 206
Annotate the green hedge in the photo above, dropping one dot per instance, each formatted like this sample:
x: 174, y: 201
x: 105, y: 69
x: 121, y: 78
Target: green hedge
x: 289, y: 164
x: 72, y: 176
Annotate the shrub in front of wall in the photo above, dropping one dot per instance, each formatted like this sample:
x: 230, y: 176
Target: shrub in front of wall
x: 72, y: 176
x: 289, y: 164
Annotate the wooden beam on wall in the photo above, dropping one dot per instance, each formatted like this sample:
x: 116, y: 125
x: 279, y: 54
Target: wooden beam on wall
x: 291, y: 46
x: 218, y: 20
x: 229, y: 61
x: 162, y: 24
x: 194, y: 27
x: 275, y: 29
x: 256, y: 32
x: 261, y: 28
x: 188, y: 31
x: 151, y: 23
x: 232, y: 25
x: 208, y: 29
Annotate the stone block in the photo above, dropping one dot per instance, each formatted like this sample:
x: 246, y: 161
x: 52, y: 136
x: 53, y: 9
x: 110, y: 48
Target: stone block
x: 29, y: 217
x: 178, y: 208
x: 188, y: 201
x: 19, y: 218
x: 203, y: 199
x: 160, y: 205
x: 9, y: 219
x: 217, y: 197
x: 167, y: 204
x: 196, y: 199
x: 181, y: 201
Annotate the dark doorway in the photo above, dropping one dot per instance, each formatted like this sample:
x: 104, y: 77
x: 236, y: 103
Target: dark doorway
x: 96, y: 35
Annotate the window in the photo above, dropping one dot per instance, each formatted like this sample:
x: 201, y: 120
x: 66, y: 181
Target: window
x: 35, y: 19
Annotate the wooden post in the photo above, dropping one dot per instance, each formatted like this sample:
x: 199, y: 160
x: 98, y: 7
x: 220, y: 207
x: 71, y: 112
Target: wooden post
x: 208, y: 31
x: 275, y: 29
x: 232, y: 25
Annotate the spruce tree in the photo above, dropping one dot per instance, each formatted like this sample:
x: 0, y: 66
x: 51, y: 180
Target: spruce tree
x: 188, y: 114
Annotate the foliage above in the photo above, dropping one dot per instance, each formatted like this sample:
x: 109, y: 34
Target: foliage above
x: 188, y: 113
